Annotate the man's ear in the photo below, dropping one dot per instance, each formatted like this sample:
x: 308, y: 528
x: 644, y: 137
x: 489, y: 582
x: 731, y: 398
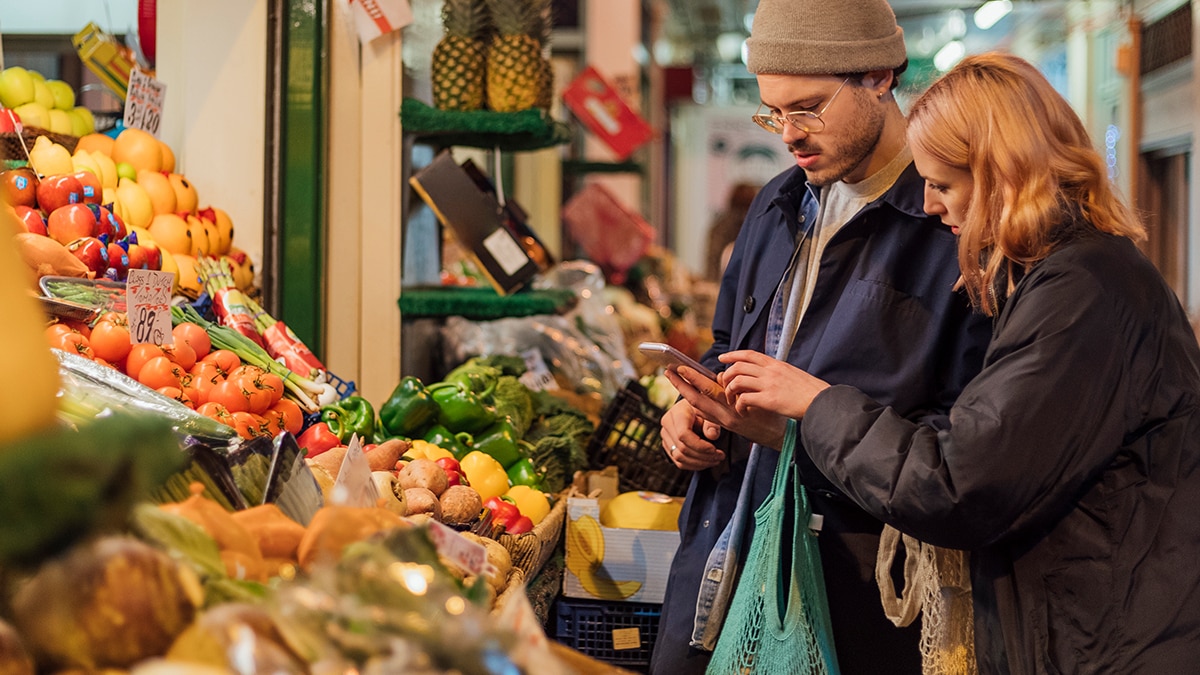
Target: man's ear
x: 878, y: 80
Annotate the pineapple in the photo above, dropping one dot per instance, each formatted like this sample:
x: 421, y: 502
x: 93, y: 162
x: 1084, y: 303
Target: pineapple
x: 458, y: 63
x: 517, y: 75
x: 545, y: 70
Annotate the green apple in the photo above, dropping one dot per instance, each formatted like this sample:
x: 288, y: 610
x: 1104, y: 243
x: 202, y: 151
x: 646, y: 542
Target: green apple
x: 60, y: 122
x: 16, y: 87
x: 37, y: 76
x: 64, y: 95
x: 125, y: 170
x: 42, y: 94
x: 34, y: 114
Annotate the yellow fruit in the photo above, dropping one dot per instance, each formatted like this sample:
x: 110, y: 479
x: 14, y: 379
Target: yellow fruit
x: 138, y: 149
x: 50, y: 158
x: 168, y: 157
x: 185, y: 193
x: 224, y: 231
x: 96, y: 143
x: 201, y: 244
x: 135, y: 202
x: 158, y: 186
x: 171, y: 233
x: 188, y: 278
x: 243, y: 268
x: 26, y: 357
x: 108, y: 168
x: 168, y: 265
x: 60, y: 122
x: 641, y: 510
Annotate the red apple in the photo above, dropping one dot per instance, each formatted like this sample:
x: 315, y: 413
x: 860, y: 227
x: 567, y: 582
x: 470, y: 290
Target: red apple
x: 138, y: 260
x: 153, y: 255
x: 59, y: 190
x: 118, y: 225
x: 71, y: 222
x: 10, y: 121
x: 93, y: 192
x: 31, y: 218
x: 92, y: 252
x: 118, y: 260
x: 19, y: 186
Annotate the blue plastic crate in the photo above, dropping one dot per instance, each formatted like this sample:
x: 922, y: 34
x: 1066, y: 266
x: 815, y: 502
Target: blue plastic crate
x: 620, y: 633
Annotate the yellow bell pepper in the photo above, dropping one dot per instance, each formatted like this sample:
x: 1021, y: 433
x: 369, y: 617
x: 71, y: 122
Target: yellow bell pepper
x: 530, y: 501
x: 420, y: 449
x: 484, y: 474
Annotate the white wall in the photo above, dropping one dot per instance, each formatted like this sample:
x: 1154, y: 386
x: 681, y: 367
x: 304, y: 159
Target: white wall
x: 67, y: 17
x: 214, y: 66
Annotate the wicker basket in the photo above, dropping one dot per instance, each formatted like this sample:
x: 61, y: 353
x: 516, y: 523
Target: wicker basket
x: 531, y: 550
x: 10, y: 142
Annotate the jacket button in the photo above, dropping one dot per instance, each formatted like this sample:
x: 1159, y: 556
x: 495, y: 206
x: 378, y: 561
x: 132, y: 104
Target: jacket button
x: 748, y: 304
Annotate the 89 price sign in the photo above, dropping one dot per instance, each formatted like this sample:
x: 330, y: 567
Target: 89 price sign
x: 148, y: 296
x: 144, y: 102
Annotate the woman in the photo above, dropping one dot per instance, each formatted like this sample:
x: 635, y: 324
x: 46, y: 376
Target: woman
x: 1070, y: 466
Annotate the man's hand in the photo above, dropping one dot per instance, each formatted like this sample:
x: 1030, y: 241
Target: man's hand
x: 711, y: 403
x: 689, y: 450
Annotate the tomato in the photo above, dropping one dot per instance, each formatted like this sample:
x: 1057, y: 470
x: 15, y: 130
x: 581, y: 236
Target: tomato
x: 72, y: 342
x: 188, y: 384
x: 232, y: 395
x: 56, y: 329
x: 216, y: 411
x: 293, y: 416
x: 139, y: 354
x: 258, y: 396
x: 195, y: 336
x: 274, y: 384
x: 249, y: 425
x: 110, y: 341
x: 181, y: 353
x: 226, y: 360
x: 160, y: 372
x: 273, y: 421
x: 78, y: 326
x: 247, y: 369
x: 177, y: 394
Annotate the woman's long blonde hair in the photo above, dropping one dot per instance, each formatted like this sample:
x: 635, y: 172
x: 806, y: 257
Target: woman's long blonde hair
x: 1031, y: 160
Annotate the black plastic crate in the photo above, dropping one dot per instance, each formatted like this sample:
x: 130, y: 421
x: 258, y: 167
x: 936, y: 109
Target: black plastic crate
x: 620, y: 633
x: 629, y: 438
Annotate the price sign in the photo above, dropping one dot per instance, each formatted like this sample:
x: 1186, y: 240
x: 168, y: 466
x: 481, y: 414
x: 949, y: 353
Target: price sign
x: 144, y: 102
x: 469, y: 556
x: 148, y: 301
x: 537, y: 374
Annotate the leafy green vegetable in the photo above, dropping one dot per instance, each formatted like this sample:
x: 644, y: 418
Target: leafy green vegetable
x: 515, y: 400
x: 560, y: 435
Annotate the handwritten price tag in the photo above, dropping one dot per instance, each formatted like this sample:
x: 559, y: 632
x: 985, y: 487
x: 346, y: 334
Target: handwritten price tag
x: 144, y: 102
x: 469, y: 556
x: 148, y: 300
x: 537, y: 374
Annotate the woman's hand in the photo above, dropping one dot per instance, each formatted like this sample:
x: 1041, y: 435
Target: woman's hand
x: 757, y: 381
x: 710, y: 403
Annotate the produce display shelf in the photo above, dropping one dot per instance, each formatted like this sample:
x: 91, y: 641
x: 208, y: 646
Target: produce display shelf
x: 531, y: 129
x: 481, y: 303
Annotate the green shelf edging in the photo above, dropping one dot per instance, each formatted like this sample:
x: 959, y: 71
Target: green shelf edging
x: 481, y: 303
x: 531, y: 129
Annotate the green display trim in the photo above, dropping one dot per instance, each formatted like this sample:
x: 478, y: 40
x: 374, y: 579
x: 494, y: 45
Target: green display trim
x: 302, y: 233
x: 531, y: 129
x: 482, y: 303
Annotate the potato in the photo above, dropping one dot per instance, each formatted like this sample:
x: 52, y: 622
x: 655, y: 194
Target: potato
x: 423, y: 473
x: 422, y: 500
x: 460, y: 505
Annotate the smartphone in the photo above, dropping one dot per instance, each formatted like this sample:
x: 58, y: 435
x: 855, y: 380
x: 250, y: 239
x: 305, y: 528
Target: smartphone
x: 669, y: 357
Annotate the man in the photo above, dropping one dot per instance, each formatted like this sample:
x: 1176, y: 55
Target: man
x: 838, y: 271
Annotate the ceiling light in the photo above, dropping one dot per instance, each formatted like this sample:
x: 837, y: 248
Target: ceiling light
x: 949, y: 55
x: 990, y: 12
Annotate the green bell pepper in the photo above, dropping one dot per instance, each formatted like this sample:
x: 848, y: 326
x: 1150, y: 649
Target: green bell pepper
x: 409, y: 409
x: 476, y: 377
x: 500, y: 441
x: 523, y: 472
x: 349, y: 416
x: 457, y: 444
x: 461, y: 409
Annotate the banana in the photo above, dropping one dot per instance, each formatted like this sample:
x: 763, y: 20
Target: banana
x: 585, y: 557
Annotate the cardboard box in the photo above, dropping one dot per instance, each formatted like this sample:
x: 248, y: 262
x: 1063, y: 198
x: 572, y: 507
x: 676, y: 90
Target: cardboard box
x: 609, y: 563
x: 480, y: 224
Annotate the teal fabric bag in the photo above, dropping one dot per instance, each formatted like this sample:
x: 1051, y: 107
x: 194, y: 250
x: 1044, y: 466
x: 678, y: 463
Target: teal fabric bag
x: 778, y: 621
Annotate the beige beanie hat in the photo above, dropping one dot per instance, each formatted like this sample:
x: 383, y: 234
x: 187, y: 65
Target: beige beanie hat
x: 803, y: 37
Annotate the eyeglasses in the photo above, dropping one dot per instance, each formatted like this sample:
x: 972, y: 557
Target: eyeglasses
x: 807, y: 121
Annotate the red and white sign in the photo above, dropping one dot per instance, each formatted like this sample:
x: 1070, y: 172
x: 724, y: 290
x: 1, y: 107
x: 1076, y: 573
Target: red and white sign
x: 598, y: 105
x: 374, y: 18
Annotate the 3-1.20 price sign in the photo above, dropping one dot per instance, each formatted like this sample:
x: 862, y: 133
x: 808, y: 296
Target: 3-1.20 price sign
x: 148, y: 296
x: 144, y: 102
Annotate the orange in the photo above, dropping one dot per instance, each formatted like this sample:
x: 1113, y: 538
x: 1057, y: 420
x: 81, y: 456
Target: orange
x: 139, y: 149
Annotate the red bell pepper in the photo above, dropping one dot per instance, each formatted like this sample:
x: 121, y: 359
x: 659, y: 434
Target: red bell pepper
x: 454, y: 472
x: 520, y: 525
x: 317, y: 439
x: 504, y: 513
